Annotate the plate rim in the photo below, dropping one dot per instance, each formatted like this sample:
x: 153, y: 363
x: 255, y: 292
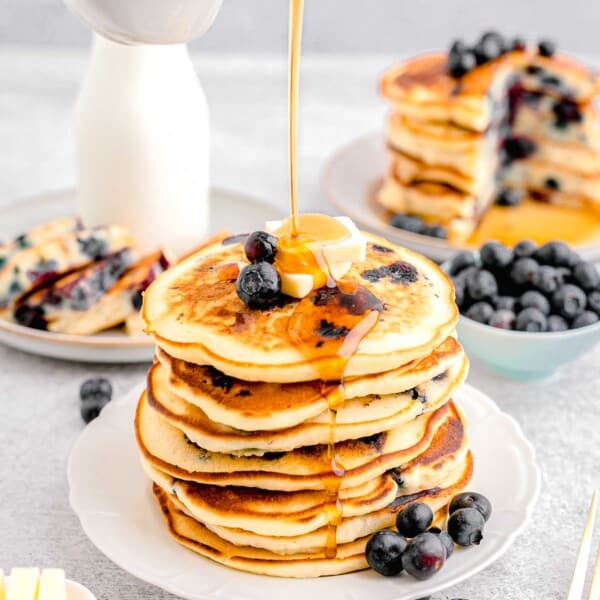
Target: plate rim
x: 526, y: 451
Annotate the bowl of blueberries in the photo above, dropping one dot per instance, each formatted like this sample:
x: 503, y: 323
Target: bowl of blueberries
x: 527, y: 310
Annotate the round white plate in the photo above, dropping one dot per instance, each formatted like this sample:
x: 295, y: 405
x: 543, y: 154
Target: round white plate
x: 229, y: 211
x: 112, y: 497
x: 349, y: 179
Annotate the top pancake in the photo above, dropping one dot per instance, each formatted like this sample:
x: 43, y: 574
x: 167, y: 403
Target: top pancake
x: 195, y: 315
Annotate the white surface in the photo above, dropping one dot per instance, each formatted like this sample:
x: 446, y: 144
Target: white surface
x: 348, y: 179
x: 230, y: 211
x: 111, y: 495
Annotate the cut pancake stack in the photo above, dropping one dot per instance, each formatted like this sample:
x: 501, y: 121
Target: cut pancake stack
x: 523, y: 122
x: 235, y: 428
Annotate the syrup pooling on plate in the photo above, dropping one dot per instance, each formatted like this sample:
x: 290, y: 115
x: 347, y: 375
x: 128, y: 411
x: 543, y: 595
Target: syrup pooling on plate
x: 328, y: 326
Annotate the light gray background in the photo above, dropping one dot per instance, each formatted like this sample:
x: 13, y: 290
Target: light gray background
x: 338, y: 25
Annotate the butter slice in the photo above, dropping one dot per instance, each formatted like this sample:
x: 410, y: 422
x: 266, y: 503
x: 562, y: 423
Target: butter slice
x: 296, y: 285
x: 23, y: 584
x: 52, y: 585
x: 2, y: 586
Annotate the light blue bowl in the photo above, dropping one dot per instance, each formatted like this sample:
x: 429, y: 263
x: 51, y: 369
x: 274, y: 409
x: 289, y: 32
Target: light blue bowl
x: 521, y: 354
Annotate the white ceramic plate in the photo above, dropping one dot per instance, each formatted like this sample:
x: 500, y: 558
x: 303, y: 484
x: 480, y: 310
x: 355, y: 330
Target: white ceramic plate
x: 75, y: 591
x: 349, y: 179
x: 112, y: 497
x: 229, y: 210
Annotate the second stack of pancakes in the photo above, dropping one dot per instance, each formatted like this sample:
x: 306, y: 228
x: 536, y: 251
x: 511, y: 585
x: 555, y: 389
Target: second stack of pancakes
x: 235, y: 427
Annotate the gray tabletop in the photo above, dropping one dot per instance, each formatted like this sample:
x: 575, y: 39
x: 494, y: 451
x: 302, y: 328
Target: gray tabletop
x: 39, y: 418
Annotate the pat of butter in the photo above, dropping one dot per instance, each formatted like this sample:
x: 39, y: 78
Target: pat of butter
x: 52, y: 585
x: 23, y: 584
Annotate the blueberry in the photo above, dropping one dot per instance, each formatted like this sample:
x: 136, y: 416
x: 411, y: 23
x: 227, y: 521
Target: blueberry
x: 533, y: 299
x: 137, y: 300
x: 471, y: 500
x: 531, y: 319
x: 94, y: 394
x: 424, y: 556
x: 509, y: 197
x: 490, y: 46
x: 524, y: 248
x: 505, y: 303
x: 414, y: 519
x: 556, y: 254
x: 260, y: 246
x: 518, y: 147
x: 594, y: 301
x: 465, y: 526
x: 461, y: 61
x: 465, y: 274
x: 408, y: 223
x: 447, y: 541
x: 569, y: 301
x: 495, y: 255
x: 547, y: 279
x: 557, y: 323
x: 551, y: 183
x: 436, y: 231
x: 481, y: 312
x: 384, y: 552
x: 259, y: 285
x: 563, y: 274
x: 31, y: 316
x: 482, y: 284
x: 461, y: 261
x: 585, y: 275
x: 587, y: 317
x: 546, y: 47
x: 459, y: 292
x: 518, y: 44
x: 566, y: 111
x: 524, y: 270
x: 502, y: 319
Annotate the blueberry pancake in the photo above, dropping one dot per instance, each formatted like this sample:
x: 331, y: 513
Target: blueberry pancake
x: 472, y: 127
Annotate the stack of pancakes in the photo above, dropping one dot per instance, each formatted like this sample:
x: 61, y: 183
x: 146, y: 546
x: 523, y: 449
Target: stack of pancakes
x: 236, y: 430
x: 522, y: 121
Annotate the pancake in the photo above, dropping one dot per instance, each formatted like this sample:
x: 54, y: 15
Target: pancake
x: 194, y: 314
x: 356, y: 418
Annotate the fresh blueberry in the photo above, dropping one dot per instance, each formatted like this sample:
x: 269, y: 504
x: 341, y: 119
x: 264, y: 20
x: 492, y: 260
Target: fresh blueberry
x: 556, y: 254
x: 414, y: 519
x: 495, y: 255
x: 436, y: 231
x: 31, y: 316
x: 465, y: 526
x: 509, y: 197
x: 566, y: 111
x: 594, y: 301
x: 471, y: 500
x: 585, y: 275
x: 547, y: 279
x: 490, y: 46
x: 482, y: 284
x: 557, y: 323
x: 461, y: 261
x: 260, y: 246
x: 505, y: 303
x: 408, y: 223
x: 465, y: 274
x: 447, y: 541
x: 546, y: 47
x: 424, y: 556
x: 563, y: 274
x: 518, y: 44
x: 94, y: 394
x: 569, y: 301
x: 587, y: 317
x: 524, y: 249
x: 384, y: 552
x: 502, y: 319
x: 518, y: 147
x: 531, y: 319
x: 533, y: 299
x: 461, y: 61
x: 459, y: 292
x: 524, y: 270
x: 259, y: 285
x: 551, y: 183
x: 481, y: 312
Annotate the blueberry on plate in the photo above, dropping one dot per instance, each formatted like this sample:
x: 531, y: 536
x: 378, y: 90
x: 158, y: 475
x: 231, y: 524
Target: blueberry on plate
x: 384, y: 552
x: 471, y: 500
x: 436, y: 231
x: 505, y: 303
x: 408, y: 223
x: 481, y: 312
x: 587, y: 317
x: 490, y: 46
x: 461, y: 261
x: 482, y: 284
x: 465, y: 526
x: 259, y: 285
x: 414, y: 519
x: 557, y: 323
x: 594, y: 301
x: 509, y: 197
x: 556, y: 254
x: 524, y: 270
x: 448, y: 542
x: 502, y: 319
x: 424, y: 556
x: 533, y: 299
x: 546, y: 47
x: 495, y: 255
x: 531, y: 319
x: 461, y: 60
x: 94, y: 394
x: 524, y: 248
x: 260, y: 246
x: 569, y: 301
x: 585, y: 274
